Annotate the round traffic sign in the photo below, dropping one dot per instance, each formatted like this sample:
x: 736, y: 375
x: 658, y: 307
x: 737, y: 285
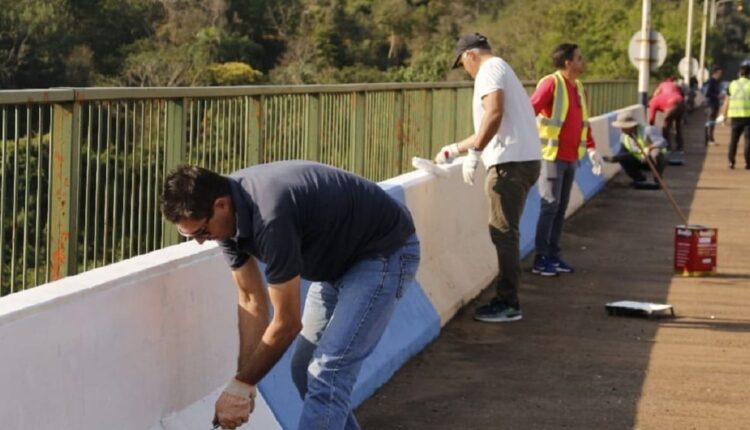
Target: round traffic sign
x: 683, y: 65
x: 657, y: 53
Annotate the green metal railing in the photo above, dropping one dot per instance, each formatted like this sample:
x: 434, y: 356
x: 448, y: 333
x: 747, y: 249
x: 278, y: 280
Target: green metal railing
x: 82, y: 168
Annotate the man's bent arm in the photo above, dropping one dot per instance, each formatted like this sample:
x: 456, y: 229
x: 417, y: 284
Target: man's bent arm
x: 493, y: 116
x: 493, y: 104
x: 252, y: 309
x: 278, y: 335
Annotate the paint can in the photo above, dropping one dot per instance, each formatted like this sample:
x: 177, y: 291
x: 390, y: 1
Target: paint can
x: 695, y: 250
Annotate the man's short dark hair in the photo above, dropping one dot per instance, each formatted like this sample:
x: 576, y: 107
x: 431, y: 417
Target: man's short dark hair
x: 563, y: 53
x: 715, y: 68
x: 190, y: 192
x: 745, y: 68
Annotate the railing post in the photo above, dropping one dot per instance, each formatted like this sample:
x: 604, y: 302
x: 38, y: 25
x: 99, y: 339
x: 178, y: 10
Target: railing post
x: 64, y: 190
x: 358, y: 133
x: 254, y: 129
x: 174, y: 155
x: 399, y: 132
x: 312, y: 134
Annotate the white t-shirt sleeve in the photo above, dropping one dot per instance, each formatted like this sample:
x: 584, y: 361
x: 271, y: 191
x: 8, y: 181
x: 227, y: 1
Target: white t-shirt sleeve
x: 490, y: 79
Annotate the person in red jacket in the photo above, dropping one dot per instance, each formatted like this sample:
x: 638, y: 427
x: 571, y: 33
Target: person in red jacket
x: 562, y: 119
x: 669, y: 99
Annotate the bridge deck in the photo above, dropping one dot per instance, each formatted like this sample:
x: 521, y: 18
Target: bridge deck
x: 570, y: 365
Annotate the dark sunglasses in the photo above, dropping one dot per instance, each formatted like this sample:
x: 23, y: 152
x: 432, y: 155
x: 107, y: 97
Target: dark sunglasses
x: 200, y: 233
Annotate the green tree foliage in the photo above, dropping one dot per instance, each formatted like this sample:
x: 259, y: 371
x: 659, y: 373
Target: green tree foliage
x: 232, y: 73
x: 181, y: 42
x: 32, y: 34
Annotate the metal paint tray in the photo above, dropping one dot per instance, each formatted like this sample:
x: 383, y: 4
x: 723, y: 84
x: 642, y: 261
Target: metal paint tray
x: 639, y: 309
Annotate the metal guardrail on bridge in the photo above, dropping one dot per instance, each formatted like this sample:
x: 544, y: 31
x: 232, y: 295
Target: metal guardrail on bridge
x: 81, y: 167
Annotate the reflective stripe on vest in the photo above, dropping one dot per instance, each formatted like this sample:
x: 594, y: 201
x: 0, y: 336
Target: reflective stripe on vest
x: 739, y: 98
x: 549, y: 127
x: 627, y: 142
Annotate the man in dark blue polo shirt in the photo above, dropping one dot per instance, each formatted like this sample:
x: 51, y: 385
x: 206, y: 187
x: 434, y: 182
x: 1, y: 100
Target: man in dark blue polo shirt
x: 303, y: 220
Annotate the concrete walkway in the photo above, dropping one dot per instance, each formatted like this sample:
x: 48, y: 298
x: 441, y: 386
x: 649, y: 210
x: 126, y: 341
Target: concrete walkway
x: 570, y: 365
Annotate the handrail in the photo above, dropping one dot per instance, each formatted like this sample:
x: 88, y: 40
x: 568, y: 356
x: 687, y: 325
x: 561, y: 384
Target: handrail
x: 106, y: 93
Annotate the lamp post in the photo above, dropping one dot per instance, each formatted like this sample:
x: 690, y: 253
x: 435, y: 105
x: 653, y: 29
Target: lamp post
x: 702, y: 60
x: 687, y: 43
x: 645, y: 63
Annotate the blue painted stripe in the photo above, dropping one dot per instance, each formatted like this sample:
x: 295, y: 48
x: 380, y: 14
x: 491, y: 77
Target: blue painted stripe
x: 587, y: 182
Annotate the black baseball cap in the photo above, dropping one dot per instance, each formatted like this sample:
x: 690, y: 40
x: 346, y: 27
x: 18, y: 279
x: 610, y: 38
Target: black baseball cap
x: 469, y: 41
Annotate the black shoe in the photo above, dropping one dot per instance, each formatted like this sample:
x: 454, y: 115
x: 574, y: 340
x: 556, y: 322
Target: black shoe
x: 731, y: 164
x: 495, y: 311
x: 645, y: 185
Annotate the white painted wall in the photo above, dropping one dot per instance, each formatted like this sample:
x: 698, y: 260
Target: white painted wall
x: 118, y: 347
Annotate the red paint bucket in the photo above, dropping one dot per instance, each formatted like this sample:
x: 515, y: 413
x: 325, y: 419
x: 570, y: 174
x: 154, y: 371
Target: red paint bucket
x: 695, y: 249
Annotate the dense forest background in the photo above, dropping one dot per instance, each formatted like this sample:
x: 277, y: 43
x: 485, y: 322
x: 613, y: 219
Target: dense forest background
x: 48, y: 43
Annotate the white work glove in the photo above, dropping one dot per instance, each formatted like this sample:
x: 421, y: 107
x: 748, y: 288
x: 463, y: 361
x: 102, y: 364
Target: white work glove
x: 596, y: 162
x: 447, y: 154
x: 720, y: 119
x: 470, y: 165
x: 235, y: 404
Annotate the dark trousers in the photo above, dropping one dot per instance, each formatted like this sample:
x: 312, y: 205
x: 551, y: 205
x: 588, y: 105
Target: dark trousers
x: 556, y: 181
x: 739, y: 126
x: 634, y: 167
x: 712, y: 111
x: 673, y: 118
x: 506, y: 188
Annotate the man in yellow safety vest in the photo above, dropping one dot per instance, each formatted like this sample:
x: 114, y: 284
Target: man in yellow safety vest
x: 637, y: 142
x: 560, y: 104
x: 737, y: 107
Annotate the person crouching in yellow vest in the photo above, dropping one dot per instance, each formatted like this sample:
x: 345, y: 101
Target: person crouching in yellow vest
x: 637, y: 141
x: 560, y: 104
x: 737, y: 107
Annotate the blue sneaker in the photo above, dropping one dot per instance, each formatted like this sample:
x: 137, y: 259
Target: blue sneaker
x: 544, y: 266
x: 561, y: 266
x: 495, y: 311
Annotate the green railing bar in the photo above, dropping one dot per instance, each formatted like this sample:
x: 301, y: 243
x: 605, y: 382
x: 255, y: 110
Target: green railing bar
x: 15, y: 208
x: 115, y: 200
x: 52, y: 138
x: 38, y: 199
x: 97, y: 182
x: 175, y: 153
x: 64, y: 188
x: 358, y: 133
x: 24, y: 240
x: 86, y: 210
x: 105, y: 212
x: 2, y: 194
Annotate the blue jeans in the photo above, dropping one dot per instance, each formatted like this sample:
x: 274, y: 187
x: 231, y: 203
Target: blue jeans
x: 342, y: 323
x: 555, y: 183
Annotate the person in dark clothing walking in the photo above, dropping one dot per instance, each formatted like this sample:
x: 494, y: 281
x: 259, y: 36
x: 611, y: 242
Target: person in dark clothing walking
x: 712, y: 92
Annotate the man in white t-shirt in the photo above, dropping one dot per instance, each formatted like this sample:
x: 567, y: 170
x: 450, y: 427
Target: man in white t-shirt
x: 505, y: 139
